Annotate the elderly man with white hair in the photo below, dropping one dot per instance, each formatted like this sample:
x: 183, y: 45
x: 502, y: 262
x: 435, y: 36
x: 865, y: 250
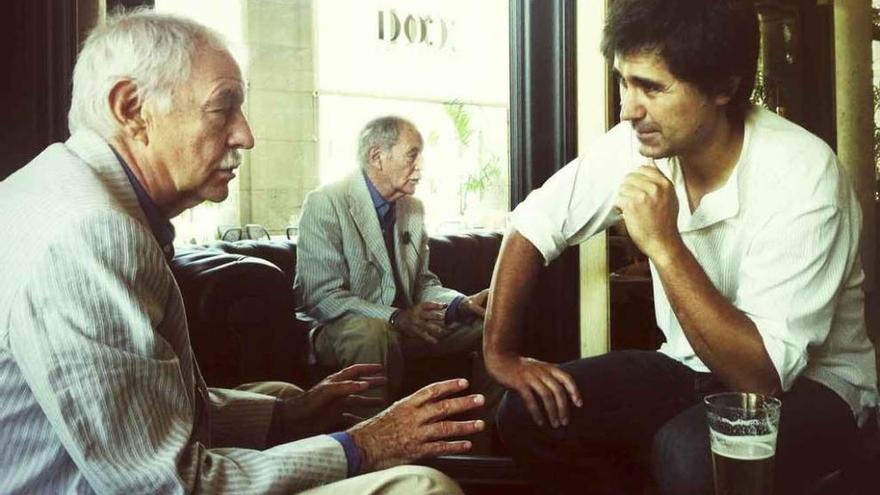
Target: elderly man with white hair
x: 101, y: 392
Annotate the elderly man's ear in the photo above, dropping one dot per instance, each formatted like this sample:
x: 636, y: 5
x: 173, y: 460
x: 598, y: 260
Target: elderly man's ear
x: 375, y: 157
x: 128, y: 110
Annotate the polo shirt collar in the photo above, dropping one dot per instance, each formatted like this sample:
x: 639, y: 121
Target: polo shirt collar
x: 717, y: 206
x: 381, y: 204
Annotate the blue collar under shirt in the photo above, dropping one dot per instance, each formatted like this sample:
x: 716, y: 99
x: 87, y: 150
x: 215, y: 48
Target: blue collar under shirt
x: 161, y: 227
x: 384, y: 209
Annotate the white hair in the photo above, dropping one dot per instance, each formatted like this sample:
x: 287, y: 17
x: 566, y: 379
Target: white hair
x: 381, y: 133
x: 155, y: 51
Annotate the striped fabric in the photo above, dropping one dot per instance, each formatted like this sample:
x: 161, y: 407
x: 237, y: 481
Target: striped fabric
x: 100, y: 392
x: 780, y: 241
x: 343, y: 269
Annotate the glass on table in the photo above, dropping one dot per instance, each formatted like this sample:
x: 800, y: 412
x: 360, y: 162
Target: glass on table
x: 742, y: 430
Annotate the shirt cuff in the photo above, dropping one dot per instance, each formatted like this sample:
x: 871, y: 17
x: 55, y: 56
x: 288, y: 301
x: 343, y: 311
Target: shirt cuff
x: 538, y: 230
x: 276, y: 427
x: 452, y: 310
x: 352, y: 452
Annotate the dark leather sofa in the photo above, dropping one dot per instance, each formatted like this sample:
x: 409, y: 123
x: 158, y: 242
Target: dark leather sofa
x: 241, y: 308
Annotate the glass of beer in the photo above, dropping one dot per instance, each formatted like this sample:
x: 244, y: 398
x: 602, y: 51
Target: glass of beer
x: 742, y: 429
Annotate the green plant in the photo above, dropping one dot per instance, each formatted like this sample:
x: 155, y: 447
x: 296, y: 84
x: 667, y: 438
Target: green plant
x: 461, y: 120
x: 487, y: 171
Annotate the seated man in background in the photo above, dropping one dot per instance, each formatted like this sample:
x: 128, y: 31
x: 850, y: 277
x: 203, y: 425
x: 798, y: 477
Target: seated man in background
x: 362, y: 267
x: 101, y: 393
x: 752, y: 230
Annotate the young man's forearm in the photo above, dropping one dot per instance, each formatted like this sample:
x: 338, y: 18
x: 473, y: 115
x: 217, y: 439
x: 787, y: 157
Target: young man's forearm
x: 515, y: 272
x: 722, y: 336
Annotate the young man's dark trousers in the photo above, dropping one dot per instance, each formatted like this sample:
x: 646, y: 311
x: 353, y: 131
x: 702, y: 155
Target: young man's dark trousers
x: 643, y: 418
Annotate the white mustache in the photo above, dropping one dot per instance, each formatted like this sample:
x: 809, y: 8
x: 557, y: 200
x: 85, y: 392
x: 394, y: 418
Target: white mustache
x: 231, y: 160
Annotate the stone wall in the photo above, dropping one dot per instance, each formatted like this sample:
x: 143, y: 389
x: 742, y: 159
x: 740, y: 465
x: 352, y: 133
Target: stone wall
x: 283, y: 166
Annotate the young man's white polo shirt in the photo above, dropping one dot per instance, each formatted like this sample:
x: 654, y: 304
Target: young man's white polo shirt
x: 779, y: 240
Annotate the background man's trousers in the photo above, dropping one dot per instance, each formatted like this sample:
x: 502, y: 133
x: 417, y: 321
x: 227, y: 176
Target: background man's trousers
x: 372, y: 340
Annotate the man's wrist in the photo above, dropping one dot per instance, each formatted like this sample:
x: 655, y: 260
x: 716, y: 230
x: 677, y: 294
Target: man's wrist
x: 454, y: 310
x: 671, y: 252
x: 356, y: 433
x: 352, y: 452
x: 493, y: 356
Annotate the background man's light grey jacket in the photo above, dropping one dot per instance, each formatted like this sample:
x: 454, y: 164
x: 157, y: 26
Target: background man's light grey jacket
x: 343, y: 269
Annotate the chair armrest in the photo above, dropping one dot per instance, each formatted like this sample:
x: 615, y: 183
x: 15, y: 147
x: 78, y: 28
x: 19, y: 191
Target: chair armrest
x: 240, y: 312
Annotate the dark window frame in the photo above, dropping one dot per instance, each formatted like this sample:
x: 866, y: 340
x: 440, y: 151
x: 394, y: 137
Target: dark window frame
x: 543, y: 98
x: 543, y: 138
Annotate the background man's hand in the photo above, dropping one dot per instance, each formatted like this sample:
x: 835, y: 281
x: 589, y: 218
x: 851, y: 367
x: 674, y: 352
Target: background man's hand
x: 649, y: 206
x: 476, y: 304
x: 322, y: 409
x: 538, y: 384
x: 417, y: 427
x: 425, y: 320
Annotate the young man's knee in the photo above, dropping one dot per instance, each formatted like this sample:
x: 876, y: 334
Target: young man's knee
x: 680, y: 462
x: 513, y: 419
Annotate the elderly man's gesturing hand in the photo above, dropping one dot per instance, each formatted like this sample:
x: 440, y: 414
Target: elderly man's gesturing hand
x: 322, y: 408
x: 418, y: 426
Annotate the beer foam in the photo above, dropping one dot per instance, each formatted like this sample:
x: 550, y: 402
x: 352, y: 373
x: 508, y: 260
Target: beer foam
x: 746, y: 448
x: 742, y: 426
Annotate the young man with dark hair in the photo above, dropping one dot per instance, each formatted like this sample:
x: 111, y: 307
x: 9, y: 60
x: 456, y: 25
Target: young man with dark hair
x: 752, y: 231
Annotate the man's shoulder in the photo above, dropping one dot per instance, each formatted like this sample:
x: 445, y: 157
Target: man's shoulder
x: 789, y: 160
x: 57, y: 190
x: 335, y: 191
x: 617, y: 144
x: 325, y: 201
x: 772, y: 136
x: 57, y: 185
x: 62, y: 216
x: 54, y: 163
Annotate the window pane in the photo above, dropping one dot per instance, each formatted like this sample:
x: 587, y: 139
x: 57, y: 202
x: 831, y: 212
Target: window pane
x: 317, y: 71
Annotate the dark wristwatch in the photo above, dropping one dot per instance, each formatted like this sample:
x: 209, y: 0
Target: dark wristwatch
x: 392, y: 320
